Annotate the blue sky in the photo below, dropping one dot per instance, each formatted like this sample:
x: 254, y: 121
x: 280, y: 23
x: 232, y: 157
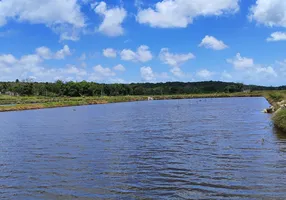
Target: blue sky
x: 123, y: 41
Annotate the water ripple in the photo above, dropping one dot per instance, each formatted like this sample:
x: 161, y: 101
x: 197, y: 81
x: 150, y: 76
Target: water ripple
x: 186, y: 149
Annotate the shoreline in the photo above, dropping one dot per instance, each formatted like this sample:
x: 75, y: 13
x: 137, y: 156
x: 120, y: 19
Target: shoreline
x: 107, y: 100
x: 13, y: 104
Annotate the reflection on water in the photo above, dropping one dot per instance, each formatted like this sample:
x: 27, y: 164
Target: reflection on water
x: 186, y: 149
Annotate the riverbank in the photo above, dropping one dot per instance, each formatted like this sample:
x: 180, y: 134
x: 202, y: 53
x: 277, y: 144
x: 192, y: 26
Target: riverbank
x: 278, y: 100
x: 13, y: 103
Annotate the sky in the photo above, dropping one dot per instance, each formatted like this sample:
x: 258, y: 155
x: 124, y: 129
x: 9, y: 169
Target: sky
x: 124, y: 41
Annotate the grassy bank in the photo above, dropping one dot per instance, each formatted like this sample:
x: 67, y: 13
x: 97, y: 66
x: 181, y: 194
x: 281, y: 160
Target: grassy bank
x: 30, y: 103
x: 279, y: 118
x: 275, y: 97
x: 13, y: 103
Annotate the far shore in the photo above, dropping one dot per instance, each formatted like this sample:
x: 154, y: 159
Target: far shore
x: 20, y: 103
x: 12, y: 103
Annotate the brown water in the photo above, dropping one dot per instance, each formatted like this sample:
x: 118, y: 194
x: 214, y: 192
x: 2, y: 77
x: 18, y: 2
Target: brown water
x: 179, y: 149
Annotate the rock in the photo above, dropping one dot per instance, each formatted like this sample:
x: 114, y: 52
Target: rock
x: 270, y: 110
x: 281, y: 103
x: 150, y: 98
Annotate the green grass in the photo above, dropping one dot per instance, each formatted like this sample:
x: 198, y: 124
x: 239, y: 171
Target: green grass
x: 279, y: 120
x: 276, y: 96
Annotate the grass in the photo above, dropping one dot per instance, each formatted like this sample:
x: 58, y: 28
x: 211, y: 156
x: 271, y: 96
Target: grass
x: 275, y: 97
x: 8, y: 103
x: 13, y: 103
x: 279, y: 120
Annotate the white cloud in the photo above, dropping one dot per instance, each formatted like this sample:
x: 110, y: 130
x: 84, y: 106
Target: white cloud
x: 109, y: 53
x: 31, y: 59
x: 55, y: 14
x: 240, y: 62
x: 260, y: 74
x: 176, y: 71
x: 82, y: 57
x: 204, y: 74
x: 269, y: 12
x: 102, y: 74
x: 211, y: 42
x: 7, y: 59
x: 147, y: 74
x: 281, y: 63
x: 103, y: 71
x: 180, y: 13
x: 119, y: 68
x: 266, y: 71
x: 277, y: 36
x: 226, y: 76
x: 68, y: 32
x: 248, y: 70
x: 138, y: 3
x: 46, y: 53
x: 142, y: 54
x: 282, y: 68
x: 117, y: 80
x: 71, y: 69
x: 83, y: 64
x: 86, y: 1
x: 174, y: 59
x: 31, y: 65
x: 113, y: 19
x: 127, y: 54
x: 61, y: 54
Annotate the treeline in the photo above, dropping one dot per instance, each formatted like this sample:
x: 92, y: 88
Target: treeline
x: 76, y: 89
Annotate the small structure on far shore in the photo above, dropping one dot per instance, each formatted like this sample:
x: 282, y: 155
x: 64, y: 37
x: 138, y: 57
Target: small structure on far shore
x: 150, y: 98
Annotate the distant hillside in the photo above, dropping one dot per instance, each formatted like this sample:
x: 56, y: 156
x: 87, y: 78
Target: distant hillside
x: 84, y: 88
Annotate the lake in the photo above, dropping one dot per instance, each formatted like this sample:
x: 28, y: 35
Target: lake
x: 223, y: 148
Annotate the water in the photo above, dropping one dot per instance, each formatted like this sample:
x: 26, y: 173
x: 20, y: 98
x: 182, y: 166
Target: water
x: 178, y: 149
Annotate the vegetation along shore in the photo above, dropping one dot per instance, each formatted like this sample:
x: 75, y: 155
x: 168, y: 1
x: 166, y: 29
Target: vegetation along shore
x: 25, y: 95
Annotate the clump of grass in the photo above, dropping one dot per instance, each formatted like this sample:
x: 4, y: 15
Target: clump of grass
x: 280, y: 120
x: 276, y: 97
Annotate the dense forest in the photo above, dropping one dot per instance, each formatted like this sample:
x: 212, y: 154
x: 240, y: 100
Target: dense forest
x: 76, y: 89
